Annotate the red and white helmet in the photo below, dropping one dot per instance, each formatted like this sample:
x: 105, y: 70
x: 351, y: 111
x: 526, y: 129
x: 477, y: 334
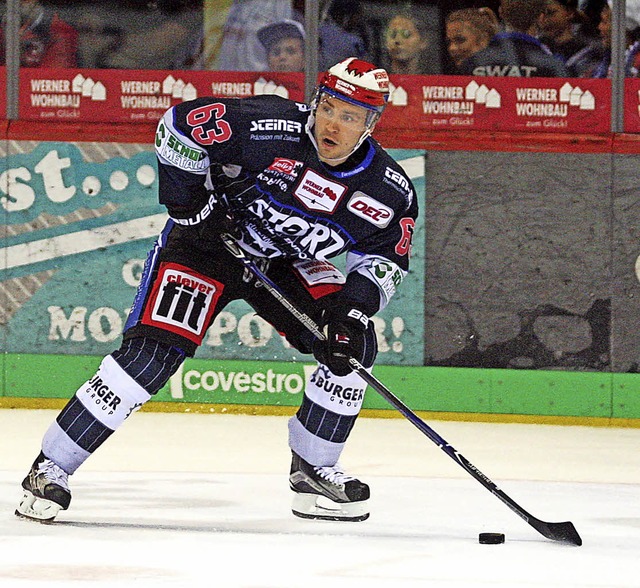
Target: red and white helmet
x: 359, y: 82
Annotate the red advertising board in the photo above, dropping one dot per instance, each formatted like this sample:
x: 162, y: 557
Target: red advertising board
x: 418, y: 103
x: 106, y: 95
x: 632, y: 105
x: 499, y: 104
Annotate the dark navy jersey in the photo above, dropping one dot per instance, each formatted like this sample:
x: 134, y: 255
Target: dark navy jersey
x: 252, y: 161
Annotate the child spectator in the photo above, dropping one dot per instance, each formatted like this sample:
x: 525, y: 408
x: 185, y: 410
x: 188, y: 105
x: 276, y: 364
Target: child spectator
x: 284, y: 44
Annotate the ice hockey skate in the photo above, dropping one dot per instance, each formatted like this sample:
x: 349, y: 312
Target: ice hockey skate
x: 46, y: 491
x: 327, y: 493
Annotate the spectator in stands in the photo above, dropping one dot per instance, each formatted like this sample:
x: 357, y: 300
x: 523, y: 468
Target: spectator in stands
x: 594, y: 61
x: 341, y: 32
x: 407, y: 41
x: 468, y: 31
x: 45, y: 39
x: 240, y: 49
x: 99, y: 38
x: 632, y: 62
x: 592, y: 10
x: 284, y: 44
x: 517, y: 51
x: 559, y: 28
x: 171, y: 38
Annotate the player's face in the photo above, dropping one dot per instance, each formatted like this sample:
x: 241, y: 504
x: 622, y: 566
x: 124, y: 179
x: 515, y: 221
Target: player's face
x: 339, y: 126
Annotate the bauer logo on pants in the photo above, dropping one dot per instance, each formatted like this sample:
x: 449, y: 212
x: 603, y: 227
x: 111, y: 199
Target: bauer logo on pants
x: 182, y: 301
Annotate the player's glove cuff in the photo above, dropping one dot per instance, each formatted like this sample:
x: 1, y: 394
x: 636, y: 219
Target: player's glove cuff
x: 345, y: 327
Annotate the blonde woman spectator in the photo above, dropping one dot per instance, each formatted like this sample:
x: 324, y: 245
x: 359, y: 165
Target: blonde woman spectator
x: 468, y: 31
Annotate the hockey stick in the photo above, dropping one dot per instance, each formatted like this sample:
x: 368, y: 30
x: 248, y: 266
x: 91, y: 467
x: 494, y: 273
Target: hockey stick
x: 562, y: 532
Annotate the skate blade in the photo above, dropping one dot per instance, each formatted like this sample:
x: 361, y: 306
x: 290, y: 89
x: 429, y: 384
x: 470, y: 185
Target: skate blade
x: 37, y: 509
x: 313, y: 506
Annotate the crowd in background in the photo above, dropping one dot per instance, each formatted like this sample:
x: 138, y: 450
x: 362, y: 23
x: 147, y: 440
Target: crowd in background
x: 550, y: 38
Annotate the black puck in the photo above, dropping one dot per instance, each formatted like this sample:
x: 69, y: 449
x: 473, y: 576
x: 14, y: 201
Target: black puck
x: 491, y: 538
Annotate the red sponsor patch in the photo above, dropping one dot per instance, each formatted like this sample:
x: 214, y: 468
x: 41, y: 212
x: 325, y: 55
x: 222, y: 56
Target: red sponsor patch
x: 285, y: 166
x: 182, y: 301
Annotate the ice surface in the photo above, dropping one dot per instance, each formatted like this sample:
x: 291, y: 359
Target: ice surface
x: 198, y: 500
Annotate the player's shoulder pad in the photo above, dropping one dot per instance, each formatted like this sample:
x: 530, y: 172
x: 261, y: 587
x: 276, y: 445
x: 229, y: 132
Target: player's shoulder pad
x: 395, y: 177
x: 263, y: 112
x: 174, y: 147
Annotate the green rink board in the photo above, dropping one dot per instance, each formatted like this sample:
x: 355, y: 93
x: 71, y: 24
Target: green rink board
x: 456, y: 390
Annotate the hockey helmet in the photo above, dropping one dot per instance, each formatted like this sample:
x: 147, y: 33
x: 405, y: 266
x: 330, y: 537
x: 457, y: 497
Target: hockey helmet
x: 359, y: 82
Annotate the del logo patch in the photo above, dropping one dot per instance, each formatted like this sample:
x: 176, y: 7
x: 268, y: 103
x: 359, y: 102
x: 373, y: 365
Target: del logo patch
x: 370, y: 209
x: 319, y: 193
x: 182, y: 301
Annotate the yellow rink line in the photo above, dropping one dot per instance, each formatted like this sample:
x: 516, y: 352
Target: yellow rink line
x: 261, y: 410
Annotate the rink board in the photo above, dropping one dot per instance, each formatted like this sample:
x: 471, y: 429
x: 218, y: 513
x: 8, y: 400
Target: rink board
x: 518, y: 262
x: 253, y: 386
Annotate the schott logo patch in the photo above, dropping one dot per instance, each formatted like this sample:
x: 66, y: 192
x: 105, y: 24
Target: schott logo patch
x: 318, y: 193
x: 370, y: 209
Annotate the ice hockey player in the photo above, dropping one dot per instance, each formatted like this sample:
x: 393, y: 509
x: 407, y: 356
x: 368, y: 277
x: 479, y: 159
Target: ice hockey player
x: 294, y: 185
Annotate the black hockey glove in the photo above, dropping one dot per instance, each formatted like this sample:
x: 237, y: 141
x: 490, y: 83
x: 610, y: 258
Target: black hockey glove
x: 345, y: 328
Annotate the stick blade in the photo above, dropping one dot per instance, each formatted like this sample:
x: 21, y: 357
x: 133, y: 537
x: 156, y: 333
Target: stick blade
x: 561, y: 532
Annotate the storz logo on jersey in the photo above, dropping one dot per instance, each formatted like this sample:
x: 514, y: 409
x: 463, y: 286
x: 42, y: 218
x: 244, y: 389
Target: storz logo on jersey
x: 289, y: 230
x: 370, y: 209
x: 288, y: 167
x: 319, y: 193
x: 182, y: 301
x: 276, y: 124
